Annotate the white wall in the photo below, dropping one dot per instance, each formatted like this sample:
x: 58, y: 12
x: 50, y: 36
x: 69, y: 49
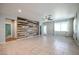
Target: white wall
x: 76, y: 32
x: 78, y: 27
x: 50, y: 28
x: 15, y: 29
x: 2, y: 30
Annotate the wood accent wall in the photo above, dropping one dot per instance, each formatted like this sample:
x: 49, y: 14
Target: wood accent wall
x: 27, y: 28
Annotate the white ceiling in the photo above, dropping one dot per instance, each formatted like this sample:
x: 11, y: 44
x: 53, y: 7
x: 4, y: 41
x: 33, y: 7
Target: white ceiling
x: 36, y: 11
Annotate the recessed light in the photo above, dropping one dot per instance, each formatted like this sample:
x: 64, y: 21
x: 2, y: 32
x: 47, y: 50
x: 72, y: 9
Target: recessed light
x: 19, y: 10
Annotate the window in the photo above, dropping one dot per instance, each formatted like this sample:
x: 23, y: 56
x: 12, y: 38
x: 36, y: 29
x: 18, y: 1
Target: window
x: 64, y: 26
x: 61, y: 26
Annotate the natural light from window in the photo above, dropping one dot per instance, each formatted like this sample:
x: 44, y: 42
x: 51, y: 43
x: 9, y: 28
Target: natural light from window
x: 61, y: 26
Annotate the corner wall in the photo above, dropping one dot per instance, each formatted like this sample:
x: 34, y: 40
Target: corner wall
x: 2, y: 30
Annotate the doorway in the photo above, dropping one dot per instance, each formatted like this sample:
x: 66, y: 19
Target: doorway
x: 47, y: 28
x: 9, y: 30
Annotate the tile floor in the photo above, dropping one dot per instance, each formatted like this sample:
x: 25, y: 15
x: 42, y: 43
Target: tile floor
x: 40, y: 45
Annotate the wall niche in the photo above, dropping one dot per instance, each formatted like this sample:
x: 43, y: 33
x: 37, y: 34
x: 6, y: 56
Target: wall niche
x: 27, y: 28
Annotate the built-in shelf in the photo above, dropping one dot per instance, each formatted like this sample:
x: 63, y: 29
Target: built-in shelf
x: 26, y: 28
